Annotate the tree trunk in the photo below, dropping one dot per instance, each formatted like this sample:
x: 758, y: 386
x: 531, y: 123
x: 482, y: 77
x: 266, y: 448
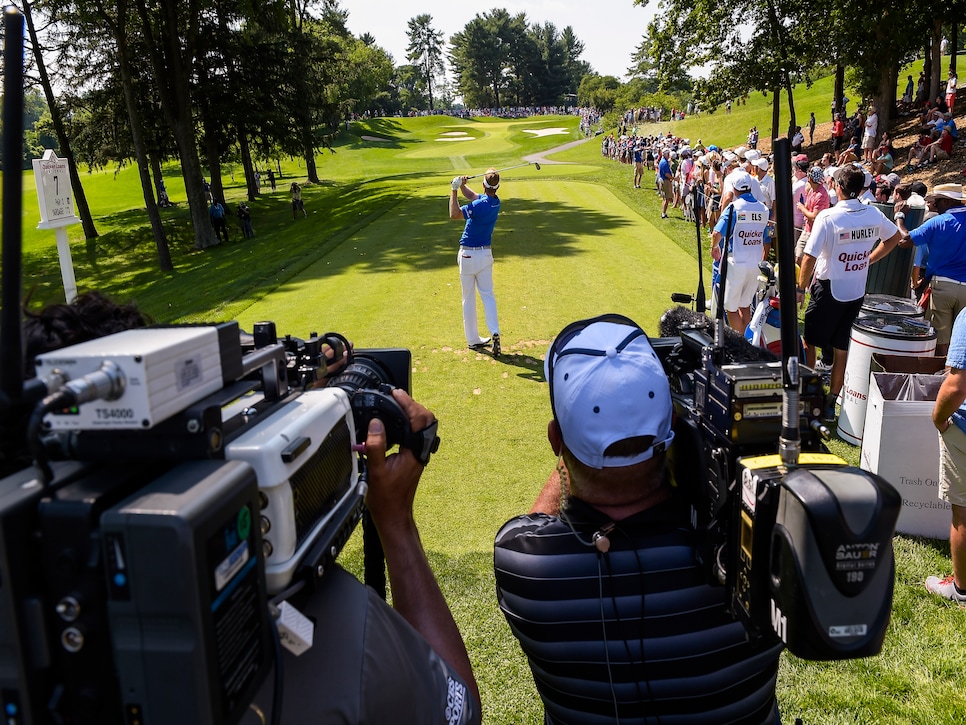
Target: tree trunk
x: 927, y: 61
x: 119, y: 33
x: 935, y: 79
x: 792, y: 121
x: 839, y: 91
x: 246, y: 158
x: 80, y: 199
x: 775, y: 114
x: 155, y: 163
x: 953, y: 45
x: 885, y: 98
x: 308, y: 153
x: 171, y: 72
x: 213, y: 158
x: 140, y: 154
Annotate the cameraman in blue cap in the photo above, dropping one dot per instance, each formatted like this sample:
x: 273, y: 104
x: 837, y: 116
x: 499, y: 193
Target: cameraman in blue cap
x: 600, y: 582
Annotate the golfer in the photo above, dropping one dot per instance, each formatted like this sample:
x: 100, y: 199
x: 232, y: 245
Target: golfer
x: 476, y: 256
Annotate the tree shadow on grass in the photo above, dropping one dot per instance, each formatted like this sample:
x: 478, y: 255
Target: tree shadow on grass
x: 420, y: 235
x: 345, y: 229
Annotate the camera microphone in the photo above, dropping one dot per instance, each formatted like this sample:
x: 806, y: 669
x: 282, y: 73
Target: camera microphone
x: 600, y: 539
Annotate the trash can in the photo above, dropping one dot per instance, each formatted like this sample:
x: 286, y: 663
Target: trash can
x: 901, y: 445
x: 890, y: 305
x: 884, y: 334
x: 890, y: 276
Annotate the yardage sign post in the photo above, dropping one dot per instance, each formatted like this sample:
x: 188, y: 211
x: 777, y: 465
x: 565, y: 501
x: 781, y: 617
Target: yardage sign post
x: 57, y: 211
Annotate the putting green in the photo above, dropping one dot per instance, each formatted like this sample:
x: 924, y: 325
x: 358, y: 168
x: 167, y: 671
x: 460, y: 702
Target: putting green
x: 492, y: 138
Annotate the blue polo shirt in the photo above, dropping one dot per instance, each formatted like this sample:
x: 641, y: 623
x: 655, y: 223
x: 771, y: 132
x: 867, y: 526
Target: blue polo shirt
x: 946, y: 236
x: 664, y: 169
x: 956, y: 358
x: 480, y: 215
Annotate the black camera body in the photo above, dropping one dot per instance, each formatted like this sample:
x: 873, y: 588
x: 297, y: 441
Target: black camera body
x: 805, y: 552
x: 135, y: 577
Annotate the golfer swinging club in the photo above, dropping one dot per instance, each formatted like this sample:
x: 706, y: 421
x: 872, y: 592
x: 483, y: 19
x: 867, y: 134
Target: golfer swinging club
x: 476, y: 256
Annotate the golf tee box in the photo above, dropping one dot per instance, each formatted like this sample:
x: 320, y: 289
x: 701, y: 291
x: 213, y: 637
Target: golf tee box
x: 187, y: 605
x: 164, y: 370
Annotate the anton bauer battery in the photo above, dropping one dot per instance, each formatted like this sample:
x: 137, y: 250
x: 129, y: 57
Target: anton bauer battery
x: 823, y: 535
x: 186, y: 601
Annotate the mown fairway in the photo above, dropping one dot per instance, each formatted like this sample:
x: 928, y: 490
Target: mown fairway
x: 376, y: 261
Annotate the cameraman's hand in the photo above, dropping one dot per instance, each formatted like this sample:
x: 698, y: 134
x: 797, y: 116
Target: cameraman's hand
x: 335, y: 359
x: 393, y: 479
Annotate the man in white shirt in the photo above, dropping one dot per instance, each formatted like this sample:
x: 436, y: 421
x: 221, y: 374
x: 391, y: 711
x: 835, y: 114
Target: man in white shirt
x: 838, y: 253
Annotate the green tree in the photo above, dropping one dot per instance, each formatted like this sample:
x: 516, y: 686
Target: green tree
x: 479, y: 59
x: 368, y: 73
x: 598, y: 91
x: 499, y: 59
x: 694, y: 33
x: 425, y: 52
x: 575, y: 68
x: 408, y: 84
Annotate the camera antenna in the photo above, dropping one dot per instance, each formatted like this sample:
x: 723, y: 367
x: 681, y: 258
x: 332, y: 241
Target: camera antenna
x: 699, y: 300
x: 790, y: 441
x: 11, y: 332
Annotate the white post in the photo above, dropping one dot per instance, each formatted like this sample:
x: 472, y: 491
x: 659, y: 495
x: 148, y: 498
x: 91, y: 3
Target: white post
x: 66, y: 264
x: 52, y: 177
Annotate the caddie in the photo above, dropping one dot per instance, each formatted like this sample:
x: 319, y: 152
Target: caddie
x: 838, y: 253
x: 743, y: 224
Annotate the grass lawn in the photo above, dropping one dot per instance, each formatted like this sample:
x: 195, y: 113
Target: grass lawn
x: 375, y: 260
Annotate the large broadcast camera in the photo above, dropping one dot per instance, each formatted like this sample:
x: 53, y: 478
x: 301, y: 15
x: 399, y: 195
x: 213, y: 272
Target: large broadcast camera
x: 183, y: 478
x: 802, y: 541
x: 164, y: 491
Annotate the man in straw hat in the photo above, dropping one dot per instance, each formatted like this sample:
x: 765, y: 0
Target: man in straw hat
x: 600, y: 582
x: 945, y: 235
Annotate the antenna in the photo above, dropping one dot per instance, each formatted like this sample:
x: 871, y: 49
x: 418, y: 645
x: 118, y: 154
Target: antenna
x: 699, y: 298
x: 11, y: 333
x: 790, y: 441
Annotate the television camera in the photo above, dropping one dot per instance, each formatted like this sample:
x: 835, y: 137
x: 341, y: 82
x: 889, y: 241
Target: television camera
x: 802, y: 541
x: 164, y: 491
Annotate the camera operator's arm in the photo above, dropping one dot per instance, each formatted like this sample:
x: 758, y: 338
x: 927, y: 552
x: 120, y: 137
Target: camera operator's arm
x: 415, y: 592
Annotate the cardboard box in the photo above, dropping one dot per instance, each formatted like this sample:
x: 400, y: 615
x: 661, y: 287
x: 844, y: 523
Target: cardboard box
x: 902, y: 445
x: 926, y: 365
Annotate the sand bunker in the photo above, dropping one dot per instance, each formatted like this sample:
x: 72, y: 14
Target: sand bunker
x: 545, y: 131
x: 454, y: 133
x: 375, y: 138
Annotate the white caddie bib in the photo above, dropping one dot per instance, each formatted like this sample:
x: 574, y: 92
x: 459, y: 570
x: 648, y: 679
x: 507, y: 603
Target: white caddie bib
x: 849, y: 261
x: 751, y: 220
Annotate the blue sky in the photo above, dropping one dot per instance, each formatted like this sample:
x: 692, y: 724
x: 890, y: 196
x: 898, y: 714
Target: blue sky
x: 610, y: 29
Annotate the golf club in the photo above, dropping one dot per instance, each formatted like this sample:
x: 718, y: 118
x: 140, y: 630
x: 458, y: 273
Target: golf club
x: 500, y: 171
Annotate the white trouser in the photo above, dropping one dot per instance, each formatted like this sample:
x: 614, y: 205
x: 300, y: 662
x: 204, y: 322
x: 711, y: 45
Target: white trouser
x: 476, y: 273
